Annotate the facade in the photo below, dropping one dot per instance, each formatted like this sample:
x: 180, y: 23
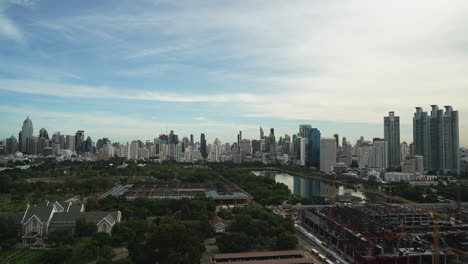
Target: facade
x: 313, y: 148
x: 378, y: 156
x: 37, y: 222
x: 399, y: 177
x: 219, y: 225
x: 392, y: 137
x: 436, y: 138
x: 11, y: 145
x: 327, y: 154
x: 79, y: 141
x: 413, y: 164
x: 26, y: 135
x: 133, y: 152
x: 203, y: 150
x: 245, y: 148
x: 404, y: 151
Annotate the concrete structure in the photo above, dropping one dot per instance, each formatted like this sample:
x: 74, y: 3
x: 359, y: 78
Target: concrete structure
x: 399, y: 177
x: 378, y: 157
x: 392, y: 137
x: 436, y: 138
x: 327, y: 154
x: 228, y: 193
x: 375, y: 234
x: 413, y: 164
x: 404, y: 151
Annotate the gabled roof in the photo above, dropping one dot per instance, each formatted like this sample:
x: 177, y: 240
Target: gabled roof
x: 42, y: 212
x: 75, y: 208
x: 215, y: 220
x: 91, y: 217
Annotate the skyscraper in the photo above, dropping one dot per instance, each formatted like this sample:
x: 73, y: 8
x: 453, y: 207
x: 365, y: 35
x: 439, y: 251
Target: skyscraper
x: 79, y: 141
x: 239, y: 137
x: 26, y: 134
x: 327, y: 154
x: 43, y: 133
x: 378, y: 158
x: 313, y: 148
x: 203, y: 149
x: 262, y: 135
x: 11, y: 145
x: 191, y: 140
x: 337, y: 139
x: 392, y: 137
x: 304, y: 130
x: 272, y: 142
x: 436, y: 138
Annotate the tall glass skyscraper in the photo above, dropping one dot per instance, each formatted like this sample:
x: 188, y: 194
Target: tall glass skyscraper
x: 392, y: 137
x: 313, y: 145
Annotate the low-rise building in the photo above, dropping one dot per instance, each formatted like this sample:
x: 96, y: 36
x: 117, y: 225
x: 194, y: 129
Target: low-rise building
x: 37, y: 222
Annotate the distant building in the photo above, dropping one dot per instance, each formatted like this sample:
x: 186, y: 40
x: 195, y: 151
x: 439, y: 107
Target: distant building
x: 378, y: 156
x: 203, y: 149
x: 392, y: 137
x: 399, y: 177
x: 133, y: 152
x: 26, y: 135
x: 11, y: 145
x: 436, y: 138
x: 79, y: 141
x: 327, y: 154
x: 245, y: 148
x: 219, y: 225
x: 413, y: 164
x: 43, y: 133
x: 404, y: 151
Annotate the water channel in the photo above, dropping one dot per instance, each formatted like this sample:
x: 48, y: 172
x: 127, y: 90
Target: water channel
x: 306, y: 187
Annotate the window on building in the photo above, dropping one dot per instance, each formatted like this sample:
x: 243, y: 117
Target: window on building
x: 104, y: 228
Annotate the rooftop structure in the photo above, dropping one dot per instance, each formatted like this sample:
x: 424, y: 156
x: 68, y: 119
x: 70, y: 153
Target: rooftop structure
x: 228, y: 193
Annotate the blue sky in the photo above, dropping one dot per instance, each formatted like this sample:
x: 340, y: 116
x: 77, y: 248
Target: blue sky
x: 132, y: 69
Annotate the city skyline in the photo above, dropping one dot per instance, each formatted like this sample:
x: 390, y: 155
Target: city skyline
x: 250, y: 133
x: 113, y: 68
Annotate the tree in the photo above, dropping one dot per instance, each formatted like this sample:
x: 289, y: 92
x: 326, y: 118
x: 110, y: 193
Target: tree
x: 234, y: 243
x: 57, y: 255
x: 286, y: 241
x: 61, y: 237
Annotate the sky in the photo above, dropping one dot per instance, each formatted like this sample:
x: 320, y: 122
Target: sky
x: 134, y: 69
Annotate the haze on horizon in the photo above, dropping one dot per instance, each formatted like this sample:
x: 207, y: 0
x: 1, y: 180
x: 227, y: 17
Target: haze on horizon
x: 132, y: 69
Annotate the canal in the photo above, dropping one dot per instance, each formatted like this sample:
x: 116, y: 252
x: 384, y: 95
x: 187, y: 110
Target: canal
x: 307, y: 188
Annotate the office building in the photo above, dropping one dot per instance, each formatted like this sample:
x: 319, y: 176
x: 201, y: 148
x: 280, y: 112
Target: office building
x: 11, y: 145
x: 26, y: 135
x: 392, y: 137
x: 79, y: 141
x: 313, y: 148
x: 203, y: 149
x: 43, y: 133
x: 327, y: 154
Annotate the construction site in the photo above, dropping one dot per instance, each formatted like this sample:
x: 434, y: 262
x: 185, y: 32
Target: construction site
x: 391, y: 233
